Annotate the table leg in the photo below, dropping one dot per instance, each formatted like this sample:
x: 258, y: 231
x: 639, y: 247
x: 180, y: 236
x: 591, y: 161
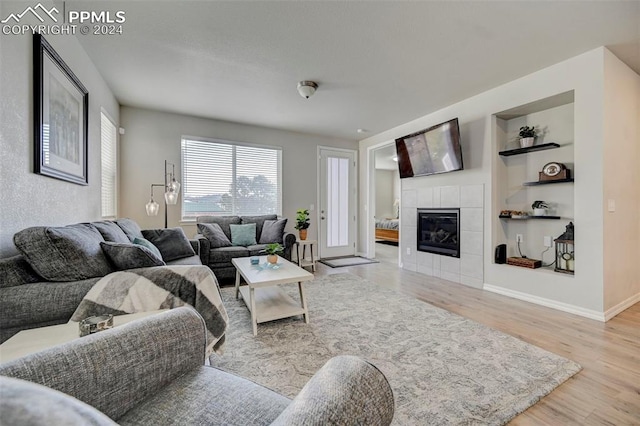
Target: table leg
x: 313, y: 260
x: 254, y: 319
x: 237, y: 283
x: 298, y: 253
x: 303, y: 301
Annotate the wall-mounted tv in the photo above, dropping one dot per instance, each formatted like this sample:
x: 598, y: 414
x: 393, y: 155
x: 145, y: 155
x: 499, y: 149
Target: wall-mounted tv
x: 430, y: 151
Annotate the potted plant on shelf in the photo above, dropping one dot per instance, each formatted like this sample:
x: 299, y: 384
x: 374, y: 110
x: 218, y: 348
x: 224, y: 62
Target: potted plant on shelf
x: 272, y: 251
x: 539, y: 208
x: 527, y: 136
x: 302, y: 223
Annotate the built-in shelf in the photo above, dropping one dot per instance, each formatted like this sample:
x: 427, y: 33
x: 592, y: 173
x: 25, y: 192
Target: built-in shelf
x: 529, y: 217
x: 547, y: 182
x: 542, y: 147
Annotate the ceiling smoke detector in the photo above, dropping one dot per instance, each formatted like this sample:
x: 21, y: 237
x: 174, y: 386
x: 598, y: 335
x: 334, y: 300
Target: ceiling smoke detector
x: 307, y: 88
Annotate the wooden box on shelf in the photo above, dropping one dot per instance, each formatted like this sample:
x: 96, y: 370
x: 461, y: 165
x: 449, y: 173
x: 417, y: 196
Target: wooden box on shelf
x: 524, y: 262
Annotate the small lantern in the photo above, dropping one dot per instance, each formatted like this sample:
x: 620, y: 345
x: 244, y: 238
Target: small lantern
x: 565, y: 251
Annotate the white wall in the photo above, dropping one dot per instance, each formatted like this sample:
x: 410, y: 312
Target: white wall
x: 384, y: 194
x: 29, y: 199
x: 152, y: 137
x: 621, y: 183
x: 584, y: 74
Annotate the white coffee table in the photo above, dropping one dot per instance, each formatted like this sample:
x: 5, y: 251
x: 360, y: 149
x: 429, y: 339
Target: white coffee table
x: 37, y: 339
x: 265, y: 300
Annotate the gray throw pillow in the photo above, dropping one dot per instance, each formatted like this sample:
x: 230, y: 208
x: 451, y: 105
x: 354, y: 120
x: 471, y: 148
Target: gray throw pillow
x: 110, y: 231
x: 130, y: 228
x: 130, y: 256
x: 146, y: 243
x: 272, y: 231
x: 213, y: 232
x: 243, y: 235
x: 68, y: 253
x: 172, y: 243
x: 258, y: 220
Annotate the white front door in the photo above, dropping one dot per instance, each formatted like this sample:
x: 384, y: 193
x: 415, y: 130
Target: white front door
x: 337, y: 202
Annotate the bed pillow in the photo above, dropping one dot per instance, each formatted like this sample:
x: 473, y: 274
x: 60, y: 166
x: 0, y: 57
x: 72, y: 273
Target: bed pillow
x: 214, y: 233
x: 130, y: 256
x: 243, y: 235
x: 172, y: 243
x: 272, y: 231
x: 67, y: 253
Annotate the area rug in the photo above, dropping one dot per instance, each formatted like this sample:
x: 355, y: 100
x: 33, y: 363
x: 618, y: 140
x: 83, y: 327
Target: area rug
x: 444, y: 369
x: 338, y: 262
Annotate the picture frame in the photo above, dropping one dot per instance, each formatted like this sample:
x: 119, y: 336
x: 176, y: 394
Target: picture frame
x: 61, y: 117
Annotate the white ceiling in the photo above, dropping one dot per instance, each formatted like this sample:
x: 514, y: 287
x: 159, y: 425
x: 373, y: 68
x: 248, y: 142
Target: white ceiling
x: 378, y: 64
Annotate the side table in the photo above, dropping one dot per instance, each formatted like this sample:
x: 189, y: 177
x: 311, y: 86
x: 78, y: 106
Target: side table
x: 303, y: 261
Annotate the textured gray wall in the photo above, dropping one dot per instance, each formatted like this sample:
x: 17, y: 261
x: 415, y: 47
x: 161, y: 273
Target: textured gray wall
x: 29, y: 199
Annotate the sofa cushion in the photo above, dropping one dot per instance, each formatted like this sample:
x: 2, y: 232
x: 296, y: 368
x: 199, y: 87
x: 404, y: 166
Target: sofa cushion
x: 148, y: 244
x: 66, y: 253
x: 27, y: 403
x: 226, y: 400
x: 243, y: 235
x: 110, y: 231
x: 223, y: 221
x: 130, y: 228
x: 130, y: 256
x: 272, y: 231
x: 192, y: 260
x: 213, y: 232
x: 256, y: 249
x: 16, y: 271
x: 172, y: 243
x: 225, y: 254
x: 258, y: 220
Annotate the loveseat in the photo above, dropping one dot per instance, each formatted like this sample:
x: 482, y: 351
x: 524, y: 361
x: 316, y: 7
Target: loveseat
x: 58, y: 265
x: 221, y: 240
x: 163, y: 381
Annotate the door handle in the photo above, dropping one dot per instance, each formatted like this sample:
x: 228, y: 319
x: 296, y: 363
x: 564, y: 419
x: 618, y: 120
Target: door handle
x: 321, y: 217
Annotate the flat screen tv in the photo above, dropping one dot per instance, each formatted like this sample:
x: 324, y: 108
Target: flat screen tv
x: 430, y: 151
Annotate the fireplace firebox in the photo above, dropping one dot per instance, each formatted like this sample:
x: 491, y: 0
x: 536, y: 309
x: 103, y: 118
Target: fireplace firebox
x: 439, y: 231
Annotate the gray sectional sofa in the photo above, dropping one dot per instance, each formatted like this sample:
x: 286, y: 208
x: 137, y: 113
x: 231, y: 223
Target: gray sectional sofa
x: 217, y: 250
x: 58, y: 265
x: 164, y: 381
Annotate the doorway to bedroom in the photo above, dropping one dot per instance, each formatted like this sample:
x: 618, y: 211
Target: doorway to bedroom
x: 385, y: 192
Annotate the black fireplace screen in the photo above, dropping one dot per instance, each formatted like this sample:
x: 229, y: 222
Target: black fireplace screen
x: 439, y: 231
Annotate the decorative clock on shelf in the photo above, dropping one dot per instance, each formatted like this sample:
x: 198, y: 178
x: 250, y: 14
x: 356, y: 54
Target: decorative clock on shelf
x: 554, y: 171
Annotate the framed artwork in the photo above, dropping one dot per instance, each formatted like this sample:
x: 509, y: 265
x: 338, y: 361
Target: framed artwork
x: 61, y: 117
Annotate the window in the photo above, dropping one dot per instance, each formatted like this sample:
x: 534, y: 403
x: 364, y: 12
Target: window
x: 109, y: 141
x: 226, y: 178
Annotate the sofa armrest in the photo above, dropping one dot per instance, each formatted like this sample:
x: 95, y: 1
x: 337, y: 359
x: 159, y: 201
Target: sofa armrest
x: 347, y: 390
x: 117, y: 369
x: 289, y: 241
x: 205, y: 247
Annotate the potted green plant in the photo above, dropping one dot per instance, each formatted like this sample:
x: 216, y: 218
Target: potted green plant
x: 302, y: 222
x: 527, y: 136
x: 539, y: 208
x: 272, y: 251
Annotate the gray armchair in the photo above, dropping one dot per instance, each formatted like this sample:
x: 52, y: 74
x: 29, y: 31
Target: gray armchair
x: 151, y: 372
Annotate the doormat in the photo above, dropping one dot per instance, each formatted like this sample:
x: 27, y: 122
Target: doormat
x: 338, y: 262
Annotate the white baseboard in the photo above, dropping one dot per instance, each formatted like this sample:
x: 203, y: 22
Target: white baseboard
x: 612, y: 312
x: 565, y: 307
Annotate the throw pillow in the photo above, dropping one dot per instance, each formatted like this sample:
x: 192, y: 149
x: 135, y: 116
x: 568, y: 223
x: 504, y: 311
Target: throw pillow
x: 130, y: 256
x: 148, y: 244
x: 68, y: 253
x: 172, y: 243
x: 130, y: 228
x: 243, y: 235
x: 258, y: 220
x: 110, y: 231
x: 272, y: 231
x: 223, y: 221
x: 213, y: 232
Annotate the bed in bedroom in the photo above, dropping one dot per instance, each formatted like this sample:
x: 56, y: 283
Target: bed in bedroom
x: 387, y: 230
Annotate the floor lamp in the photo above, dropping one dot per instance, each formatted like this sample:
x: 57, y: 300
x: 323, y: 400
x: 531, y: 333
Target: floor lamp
x: 171, y: 192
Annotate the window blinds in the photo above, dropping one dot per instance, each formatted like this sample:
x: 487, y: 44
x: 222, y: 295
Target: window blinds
x: 109, y: 141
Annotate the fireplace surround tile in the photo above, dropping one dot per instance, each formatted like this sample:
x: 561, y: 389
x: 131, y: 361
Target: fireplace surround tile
x: 472, y: 196
x: 450, y: 196
x: 471, y: 242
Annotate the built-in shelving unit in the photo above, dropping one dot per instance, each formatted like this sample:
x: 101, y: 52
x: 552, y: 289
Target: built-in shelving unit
x: 514, y: 170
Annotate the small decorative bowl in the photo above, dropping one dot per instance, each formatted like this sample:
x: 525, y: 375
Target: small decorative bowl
x: 92, y: 325
x: 255, y: 260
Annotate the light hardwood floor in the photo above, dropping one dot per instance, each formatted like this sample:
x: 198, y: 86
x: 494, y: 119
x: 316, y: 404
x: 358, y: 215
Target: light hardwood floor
x: 605, y: 392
